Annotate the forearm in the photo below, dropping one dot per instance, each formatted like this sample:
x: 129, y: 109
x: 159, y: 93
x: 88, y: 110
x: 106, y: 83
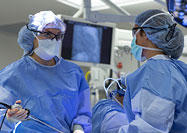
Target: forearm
x: 83, y: 117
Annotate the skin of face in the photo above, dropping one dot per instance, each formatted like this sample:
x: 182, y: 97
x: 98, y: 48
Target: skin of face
x: 36, y: 57
x: 142, y: 40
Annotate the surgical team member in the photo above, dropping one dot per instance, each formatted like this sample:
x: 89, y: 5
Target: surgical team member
x: 108, y: 114
x: 155, y: 100
x: 54, y: 90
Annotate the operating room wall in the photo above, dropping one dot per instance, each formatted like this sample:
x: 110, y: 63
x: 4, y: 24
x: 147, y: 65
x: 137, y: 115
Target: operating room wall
x: 9, y: 49
x: 183, y: 58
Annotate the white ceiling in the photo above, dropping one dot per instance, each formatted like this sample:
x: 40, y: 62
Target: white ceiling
x: 14, y: 13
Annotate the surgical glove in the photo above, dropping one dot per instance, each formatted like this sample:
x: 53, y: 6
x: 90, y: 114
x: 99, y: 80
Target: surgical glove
x: 16, y: 113
x: 78, y: 131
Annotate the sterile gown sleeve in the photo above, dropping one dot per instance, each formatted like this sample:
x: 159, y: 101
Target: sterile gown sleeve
x: 83, y: 117
x: 8, y: 98
x: 153, y: 114
x: 113, y: 121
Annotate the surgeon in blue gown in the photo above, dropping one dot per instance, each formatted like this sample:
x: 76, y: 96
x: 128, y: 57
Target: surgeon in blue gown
x: 155, y: 100
x: 53, y: 89
x: 108, y: 114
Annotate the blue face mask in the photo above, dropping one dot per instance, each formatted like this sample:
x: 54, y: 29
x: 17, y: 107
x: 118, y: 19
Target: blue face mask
x: 137, y: 50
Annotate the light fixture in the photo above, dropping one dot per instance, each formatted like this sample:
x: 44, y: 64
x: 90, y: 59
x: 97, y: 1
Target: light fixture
x: 179, y: 10
x: 99, y: 5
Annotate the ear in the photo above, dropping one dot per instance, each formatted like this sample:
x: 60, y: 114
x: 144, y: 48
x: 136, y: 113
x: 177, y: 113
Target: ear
x: 35, y: 43
x: 145, y: 36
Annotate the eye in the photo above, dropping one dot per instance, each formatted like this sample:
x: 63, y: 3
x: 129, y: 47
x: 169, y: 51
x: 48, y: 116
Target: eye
x: 48, y: 35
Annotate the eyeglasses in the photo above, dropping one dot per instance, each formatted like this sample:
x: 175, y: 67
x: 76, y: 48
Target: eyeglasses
x: 48, y: 35
x: 168, y: 36
x: 141, y: 29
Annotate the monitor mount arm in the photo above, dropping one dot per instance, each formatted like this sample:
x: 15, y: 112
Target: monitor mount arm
x: 95, y: 17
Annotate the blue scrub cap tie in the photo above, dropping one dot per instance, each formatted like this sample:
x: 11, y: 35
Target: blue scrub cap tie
x: 38, y: 22
x: 162, y: 31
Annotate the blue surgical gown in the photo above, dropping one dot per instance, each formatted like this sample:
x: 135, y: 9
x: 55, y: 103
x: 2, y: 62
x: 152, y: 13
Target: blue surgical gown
x: 156, y: 97
x: 58, y: 95
x: 107, y: 117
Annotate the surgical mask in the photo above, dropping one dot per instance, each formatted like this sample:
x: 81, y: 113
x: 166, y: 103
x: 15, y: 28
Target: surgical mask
x: 137, y: 50
x: 48, y: 48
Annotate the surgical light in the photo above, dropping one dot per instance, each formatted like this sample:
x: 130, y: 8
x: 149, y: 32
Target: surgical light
x: 178, y: 8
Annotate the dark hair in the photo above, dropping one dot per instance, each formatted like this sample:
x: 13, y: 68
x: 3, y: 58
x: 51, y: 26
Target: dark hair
x: 119, y: 89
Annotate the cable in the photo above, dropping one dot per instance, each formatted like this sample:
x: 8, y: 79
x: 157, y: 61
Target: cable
x: 6, y: 105
x: 3, y: 120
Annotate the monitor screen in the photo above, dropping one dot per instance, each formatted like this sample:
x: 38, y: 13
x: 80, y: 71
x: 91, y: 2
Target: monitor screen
x: 86, y: 42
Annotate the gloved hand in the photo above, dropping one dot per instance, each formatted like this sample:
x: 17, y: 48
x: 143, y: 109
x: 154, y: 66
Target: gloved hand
x: 16, y: 113
x: 78, y: 131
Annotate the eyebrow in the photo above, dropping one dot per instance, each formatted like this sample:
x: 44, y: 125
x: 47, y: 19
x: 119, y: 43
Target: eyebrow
x: 47, y: 30
x: 52, y: 32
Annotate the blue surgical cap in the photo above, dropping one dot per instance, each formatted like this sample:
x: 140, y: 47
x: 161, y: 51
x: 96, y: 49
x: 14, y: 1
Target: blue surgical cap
x: 38, y: 22
x: 25, y: 40
x: 161, y: 26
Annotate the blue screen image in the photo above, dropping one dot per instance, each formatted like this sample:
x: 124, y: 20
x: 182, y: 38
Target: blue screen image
x: 86, y: 43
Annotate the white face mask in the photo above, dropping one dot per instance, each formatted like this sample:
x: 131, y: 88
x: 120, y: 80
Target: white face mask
x: 48, y: 48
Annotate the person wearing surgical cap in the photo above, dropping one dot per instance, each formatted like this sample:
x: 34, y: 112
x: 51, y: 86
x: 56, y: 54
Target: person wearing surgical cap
x: 155, y: 100
x: 51, y: 88
x: 107, y: 112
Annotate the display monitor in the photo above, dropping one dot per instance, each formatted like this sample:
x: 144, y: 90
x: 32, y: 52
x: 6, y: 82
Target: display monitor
x: 87, y: 43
